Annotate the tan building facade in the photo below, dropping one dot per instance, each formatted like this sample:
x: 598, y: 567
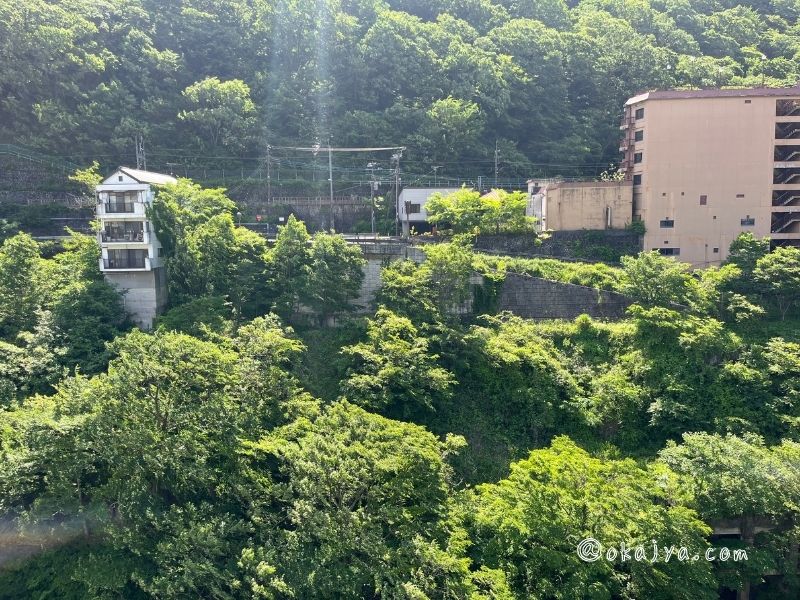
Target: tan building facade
x: 575, y: 205
x: 707, y: 165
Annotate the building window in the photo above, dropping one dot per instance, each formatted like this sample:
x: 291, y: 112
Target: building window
x: 748, y: 101
x: 639, y: 113
x: 637, y: 180
x: 667, y: 223
x: 715, y: 250
x: 637, y: 158
x: 740, y: 195
x: 414, y: 209
x: 638, y: 136
x: 748, y: 221
x: 120, y: 177
x: 703, y: 200
x: 669, y: 251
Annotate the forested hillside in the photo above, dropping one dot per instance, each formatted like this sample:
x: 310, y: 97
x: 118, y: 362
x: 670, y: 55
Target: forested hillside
x: 202, y: 80
x: 242, y: 450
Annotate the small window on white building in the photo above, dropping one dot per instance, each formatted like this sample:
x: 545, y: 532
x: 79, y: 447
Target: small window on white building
x: 748, y: 221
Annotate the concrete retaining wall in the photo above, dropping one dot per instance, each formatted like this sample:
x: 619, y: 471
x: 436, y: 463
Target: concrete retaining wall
x: 535, y: 298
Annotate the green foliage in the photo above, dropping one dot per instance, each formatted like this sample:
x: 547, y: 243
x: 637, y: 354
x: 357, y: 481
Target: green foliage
x: 55, y: 314
x: 779, y: 275
x: 655, y: 280
x: 437, y: 289
x: 469, y: 211
x: 289, y: 266
x: 353, y: 483
x: 88, y: 178
x: 543, y: 81
x: 221, y: 115
x: 209, y: 314
x: 529, y: 524
x: 394, y: 371
x: 337, y: 270
x: 596, y: 275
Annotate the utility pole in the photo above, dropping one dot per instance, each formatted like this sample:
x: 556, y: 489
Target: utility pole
x: 141, y: 160
x: 330, y: 179
x: 269, y: 173
x: 496, y: 155
x: 435, y: 173
x: 372, y: 186
x: 397, y: 157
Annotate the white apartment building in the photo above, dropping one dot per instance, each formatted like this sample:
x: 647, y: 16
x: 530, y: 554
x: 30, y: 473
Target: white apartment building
x: 131, y: 253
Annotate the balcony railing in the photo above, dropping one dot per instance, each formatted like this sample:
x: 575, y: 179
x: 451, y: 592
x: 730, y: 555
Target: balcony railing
x: 786, y: 176
x: 786, y: 198
x: 781, y: 222
x: 787, y: 108
x: 130, y: 262
x: 787, y: 153
x: 126, y: 236
x: 787, y: 131
x: 119, y: 207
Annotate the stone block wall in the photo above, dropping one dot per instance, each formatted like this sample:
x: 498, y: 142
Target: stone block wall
x: 602, y: 245
x: 536, y: 298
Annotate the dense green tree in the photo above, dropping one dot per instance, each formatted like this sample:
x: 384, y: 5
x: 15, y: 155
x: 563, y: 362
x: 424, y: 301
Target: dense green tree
x: 362, y: 505
x: 221, y: 114
x: 337, y: 270
x: 655, y: 280
x: 740, y: 480
x: 19, y: 259
x: 529, y: 525
x: 289, y: 266
x: 779, y: 274
x: 394, y: 371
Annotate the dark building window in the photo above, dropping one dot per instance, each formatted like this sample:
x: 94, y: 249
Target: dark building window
x: 640, y: 113
x: 703, y: 200
x: 740, y: 195
x: 637, y: 180
x: 716, y: 250
x: 669, y: 251
x: 748, y: 221
x: 413, y: 208
x: 120, y: 177
x: 667, y: 223
x: 638, y: 136
x: 637, y: 158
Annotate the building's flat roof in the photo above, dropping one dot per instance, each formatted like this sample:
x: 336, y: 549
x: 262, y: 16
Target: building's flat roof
x: 589, y: 184
x: 715, y: 93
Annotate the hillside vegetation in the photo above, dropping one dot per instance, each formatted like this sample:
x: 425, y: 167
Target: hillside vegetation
x: 242, y: 451
x: 201, y: 81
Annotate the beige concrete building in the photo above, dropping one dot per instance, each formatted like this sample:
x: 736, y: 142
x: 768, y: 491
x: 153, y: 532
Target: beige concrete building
x: 574, y: 205
x: 707, y: 165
